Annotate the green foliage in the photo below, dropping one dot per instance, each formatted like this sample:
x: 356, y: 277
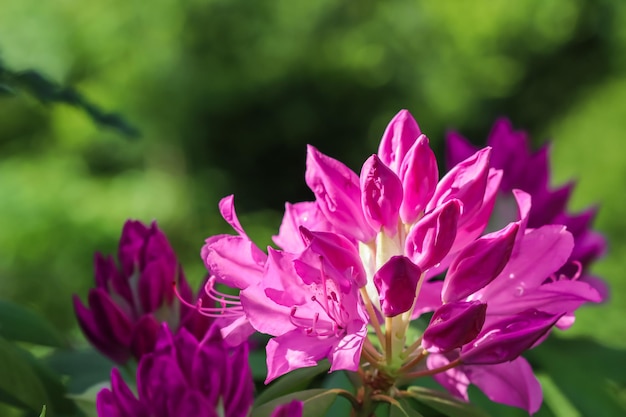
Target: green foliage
x: 20, y: 324
x: 316, y: 402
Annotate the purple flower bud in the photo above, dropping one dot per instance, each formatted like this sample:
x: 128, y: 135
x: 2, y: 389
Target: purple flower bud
x: 396, y: 282
x: 337, y: 193
x: 381, y: 195
x: 479, y: 264
x: 121, y: 320
x: 184, y: 376
x: 506, y: 339
x: 419, y: 175
x: 453, y: 325
x: 430, y: 240
x: 398, y: 138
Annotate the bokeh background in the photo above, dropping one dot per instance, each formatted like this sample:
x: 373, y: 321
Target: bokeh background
x: 227, y: 93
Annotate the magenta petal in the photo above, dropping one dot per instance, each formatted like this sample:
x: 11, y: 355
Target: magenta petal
x: 419, y: 175
x: 134, y: 234
x: 97, y: 335
x: 396, y: 282
x: 292, y: 409
x: 538, y: 255
x: 330, y: 250
x: 479, y: 263
x: 264, y: 315
x: 381, y: 195
x: 114, y: 323
x: 227, y: 210
x: 454, y: 380
x: 453, y: 325
x: 398, y: 138
x: 144, y: 336
x: 430, y: 240
x: 338, y: 194
x: 292, y: 351
x: 506, y: 339
x: 466, y: 182
x: 124, y: 401
x: 306, y: 214
x: 511, y: 383
x: 155, y: 285
x: 233, y: 260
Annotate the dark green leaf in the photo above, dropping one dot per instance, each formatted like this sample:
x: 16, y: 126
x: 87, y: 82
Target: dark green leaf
x: 84, y: 368
x: 402, y: 408
x: 293, y: 381
x: 43, y: 412
x: 20, y: 324
x: 588, y: 374
x: 316, y: 402
x: 18, y: 381
x: 445, y: 403
x: 256, y: 359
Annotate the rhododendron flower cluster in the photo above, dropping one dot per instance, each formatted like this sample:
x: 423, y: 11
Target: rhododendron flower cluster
x: 383, y: 247
x: 394, y: 273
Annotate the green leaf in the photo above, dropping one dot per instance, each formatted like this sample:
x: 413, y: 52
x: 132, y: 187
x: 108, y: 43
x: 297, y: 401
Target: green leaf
x: 18, y: 381
x: 86, y: 400
x: 20, y: 324
x: 402, y: 408
x: 444, y: 402
x: 596, y: 387
x: 258, y: 366
x: 293, y: 381
x: 84, y: 368
x: 316, y: 402
x: 43, y: 411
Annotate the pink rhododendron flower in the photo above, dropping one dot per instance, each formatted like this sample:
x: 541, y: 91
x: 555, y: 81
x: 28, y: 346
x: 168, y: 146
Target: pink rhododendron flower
x: 382, y: 248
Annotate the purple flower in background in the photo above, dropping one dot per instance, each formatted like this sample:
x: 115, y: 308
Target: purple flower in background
x: 131, y: 300
x: 184, y: 376
x: 530, y: 172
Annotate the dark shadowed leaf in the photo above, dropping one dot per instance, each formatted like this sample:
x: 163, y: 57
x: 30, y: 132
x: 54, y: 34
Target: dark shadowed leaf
x: 591, y: 376
x: 445, y: 403
x: 316, y: 402
x: 22, y: 325
x: 293, y: 381
x: 18, y: 381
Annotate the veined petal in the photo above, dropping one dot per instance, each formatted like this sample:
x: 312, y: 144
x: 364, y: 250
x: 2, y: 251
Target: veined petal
x: 381, y: 195
x: 306, y: 214
x: 338, y: 194
x: 330, y: 250
x: 293, y: 350
x: 234, y: 260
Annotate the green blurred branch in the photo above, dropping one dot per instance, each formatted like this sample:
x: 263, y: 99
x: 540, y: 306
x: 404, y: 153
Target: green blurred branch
x: 49, y: 92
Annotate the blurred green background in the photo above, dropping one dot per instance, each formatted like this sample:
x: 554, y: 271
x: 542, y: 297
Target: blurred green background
x: 226, y: 93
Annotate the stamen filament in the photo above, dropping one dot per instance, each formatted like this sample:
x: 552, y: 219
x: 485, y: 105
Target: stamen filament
x: 434, y: 371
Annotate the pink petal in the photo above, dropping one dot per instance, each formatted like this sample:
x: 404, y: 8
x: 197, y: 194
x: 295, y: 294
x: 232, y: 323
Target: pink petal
x: 511, y: 383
